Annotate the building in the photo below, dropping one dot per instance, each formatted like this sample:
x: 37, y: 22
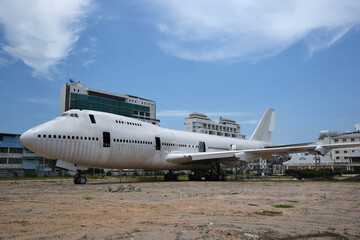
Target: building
x: 307, y: 161
x: 15, y: 160
x: 336, y: 159
x: 199, y: 122
x: 76, y: 96
x: 11, y: 153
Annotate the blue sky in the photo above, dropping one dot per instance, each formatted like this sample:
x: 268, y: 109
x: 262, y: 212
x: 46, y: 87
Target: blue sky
x: 227, y: 59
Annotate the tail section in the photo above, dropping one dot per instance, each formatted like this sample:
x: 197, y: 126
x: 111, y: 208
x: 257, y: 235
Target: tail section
x: 265, y: 127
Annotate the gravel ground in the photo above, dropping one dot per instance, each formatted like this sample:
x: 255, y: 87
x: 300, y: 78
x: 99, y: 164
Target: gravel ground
x: 179, y: 210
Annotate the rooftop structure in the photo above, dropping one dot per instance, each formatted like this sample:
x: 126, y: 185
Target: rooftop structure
x: 199, y: 122
x: 76, y: 96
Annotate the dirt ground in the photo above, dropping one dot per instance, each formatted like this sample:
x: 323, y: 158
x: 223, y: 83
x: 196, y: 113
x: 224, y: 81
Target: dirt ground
x: 180, y: 210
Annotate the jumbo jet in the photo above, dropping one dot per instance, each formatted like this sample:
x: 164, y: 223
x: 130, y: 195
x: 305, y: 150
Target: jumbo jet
x: 104, y: 140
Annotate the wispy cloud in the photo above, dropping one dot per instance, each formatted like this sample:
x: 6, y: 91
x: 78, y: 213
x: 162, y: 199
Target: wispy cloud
x: 184, y: 113
x: 249, y: 122
x: 91, y: 49
x: 42, y: 33
x: 39, y: 100
x: 211, y: 30
x: 173, y: 113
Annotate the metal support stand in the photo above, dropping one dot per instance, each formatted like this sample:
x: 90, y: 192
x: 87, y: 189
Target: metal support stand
x: 317, y: 161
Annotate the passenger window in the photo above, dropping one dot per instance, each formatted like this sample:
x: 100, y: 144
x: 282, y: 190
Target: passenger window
x: 92, y: 118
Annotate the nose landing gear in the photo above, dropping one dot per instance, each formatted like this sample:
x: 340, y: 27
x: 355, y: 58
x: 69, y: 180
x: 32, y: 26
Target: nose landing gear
x: 79, y: 179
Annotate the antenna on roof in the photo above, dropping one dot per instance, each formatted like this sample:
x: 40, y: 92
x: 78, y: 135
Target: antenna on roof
x: 69, y: 79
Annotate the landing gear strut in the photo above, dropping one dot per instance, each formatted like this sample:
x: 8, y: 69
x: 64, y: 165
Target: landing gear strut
x: 79, y: 179
x: 170, y: 176
x: 215, y: 174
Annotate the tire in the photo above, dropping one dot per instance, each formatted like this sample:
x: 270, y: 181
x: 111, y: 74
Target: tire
x: 82, y: 180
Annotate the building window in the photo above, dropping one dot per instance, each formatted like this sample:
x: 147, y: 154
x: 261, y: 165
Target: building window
x: 352, y: 140
x: 345, y: 151
x: 3, y: 160
x: 16, y: 150
x: 15, y: 161
x: 336, y: 141
x: 4, y: 150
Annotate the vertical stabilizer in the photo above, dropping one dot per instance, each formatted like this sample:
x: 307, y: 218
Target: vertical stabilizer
x: 265, y: 127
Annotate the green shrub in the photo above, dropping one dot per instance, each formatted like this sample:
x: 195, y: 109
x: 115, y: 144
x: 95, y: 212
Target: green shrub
x: 30, y: 173
x: 309, y: 173
x: 346, y: 172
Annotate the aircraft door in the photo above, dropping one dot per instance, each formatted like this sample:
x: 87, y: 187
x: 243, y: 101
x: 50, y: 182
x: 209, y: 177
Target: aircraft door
x: 232, y: 147
x: 202, y: 147
x: 106, y: 139
x: 157, y: 143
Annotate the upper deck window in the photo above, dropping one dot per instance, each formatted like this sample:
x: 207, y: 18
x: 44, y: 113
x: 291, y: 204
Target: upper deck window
x: 92, y: 118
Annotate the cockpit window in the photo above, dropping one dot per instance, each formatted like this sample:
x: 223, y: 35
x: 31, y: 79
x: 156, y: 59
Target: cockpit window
x: 70, y: 114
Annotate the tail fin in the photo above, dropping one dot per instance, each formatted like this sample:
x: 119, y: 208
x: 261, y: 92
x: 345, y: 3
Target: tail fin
x: 265, y: 127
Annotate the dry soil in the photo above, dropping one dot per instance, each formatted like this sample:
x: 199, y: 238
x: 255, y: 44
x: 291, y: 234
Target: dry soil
x: 180, y: 210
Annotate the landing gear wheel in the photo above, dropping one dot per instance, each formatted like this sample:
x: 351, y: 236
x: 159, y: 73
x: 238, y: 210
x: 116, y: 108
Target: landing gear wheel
x: 79, y: 179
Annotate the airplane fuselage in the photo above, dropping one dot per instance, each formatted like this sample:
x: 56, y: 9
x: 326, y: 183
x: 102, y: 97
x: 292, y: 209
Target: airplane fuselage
x: 97, y: 139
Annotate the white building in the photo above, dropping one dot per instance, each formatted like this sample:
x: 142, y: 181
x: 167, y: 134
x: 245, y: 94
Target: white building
x: 199, y: 122
x: 345, y: 158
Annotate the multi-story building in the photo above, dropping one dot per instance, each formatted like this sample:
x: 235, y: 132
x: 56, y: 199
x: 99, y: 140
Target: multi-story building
x: 11, y: 152
x: 337, y: 159
x: 199, y: 122
x: 76, y: 96
x: 15, y: 160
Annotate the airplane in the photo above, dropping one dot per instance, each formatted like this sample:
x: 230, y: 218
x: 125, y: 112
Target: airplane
x: 104, y: 140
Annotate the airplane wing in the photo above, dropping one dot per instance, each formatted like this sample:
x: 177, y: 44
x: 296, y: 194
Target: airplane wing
x: 252, y: 154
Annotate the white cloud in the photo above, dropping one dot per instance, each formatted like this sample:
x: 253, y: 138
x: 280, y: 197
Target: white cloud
x: 173, y: 113
x: 209, y: 30
x: 38, y: 100
x: 91, y: 50
x: 184, y: 113
x: 42, y: 33
x: 249, y: 122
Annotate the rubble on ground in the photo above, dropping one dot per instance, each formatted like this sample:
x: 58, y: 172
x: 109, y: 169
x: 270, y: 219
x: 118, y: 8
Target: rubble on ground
x: 123, y: 188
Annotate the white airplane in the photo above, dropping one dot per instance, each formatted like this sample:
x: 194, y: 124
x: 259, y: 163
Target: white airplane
x: 104, y: 140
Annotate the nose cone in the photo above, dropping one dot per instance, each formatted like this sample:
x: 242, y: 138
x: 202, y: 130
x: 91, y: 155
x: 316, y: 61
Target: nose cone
x: 28, y: 139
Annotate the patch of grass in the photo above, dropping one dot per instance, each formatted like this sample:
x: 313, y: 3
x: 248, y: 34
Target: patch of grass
x: 294, y: 201
x: 87, y: 197
x: 272, y: 213
x: 283, y: 206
